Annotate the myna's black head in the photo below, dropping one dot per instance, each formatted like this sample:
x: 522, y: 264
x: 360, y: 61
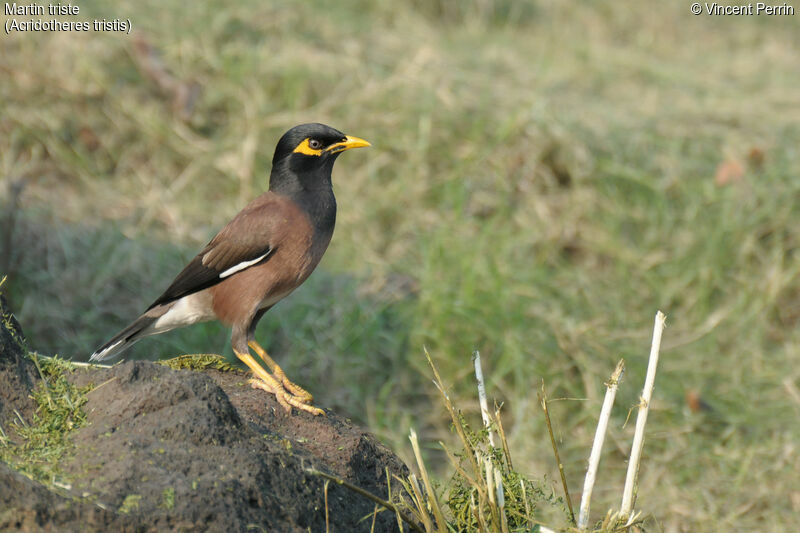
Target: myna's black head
x: 301, y: 171
x: 306, y: 153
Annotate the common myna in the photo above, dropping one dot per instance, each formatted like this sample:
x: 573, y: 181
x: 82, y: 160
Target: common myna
x: 262, y: 255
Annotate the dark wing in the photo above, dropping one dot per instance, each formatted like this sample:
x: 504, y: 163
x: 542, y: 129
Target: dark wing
x: 247, y: 240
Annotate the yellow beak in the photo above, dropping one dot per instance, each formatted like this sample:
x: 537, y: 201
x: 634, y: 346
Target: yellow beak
x: 348, y: 143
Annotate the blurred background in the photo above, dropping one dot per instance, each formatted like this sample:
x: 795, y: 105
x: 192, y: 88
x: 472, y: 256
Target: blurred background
x: 543, y: 178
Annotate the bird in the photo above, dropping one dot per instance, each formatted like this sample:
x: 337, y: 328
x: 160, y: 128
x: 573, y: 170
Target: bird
x: 263, y: 254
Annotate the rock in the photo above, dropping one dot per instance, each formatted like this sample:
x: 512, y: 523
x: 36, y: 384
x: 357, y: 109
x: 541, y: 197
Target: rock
x: 169, y: 450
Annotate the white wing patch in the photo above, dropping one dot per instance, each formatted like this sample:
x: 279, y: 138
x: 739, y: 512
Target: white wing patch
x: 241, y: 266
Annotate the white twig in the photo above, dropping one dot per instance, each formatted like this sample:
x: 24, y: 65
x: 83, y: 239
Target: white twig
x: 489, y: 480
x: 597, y: 447
x: 498, y: 483
x: 501, y: 500
x: 641, y: 420
x: 487, y: 421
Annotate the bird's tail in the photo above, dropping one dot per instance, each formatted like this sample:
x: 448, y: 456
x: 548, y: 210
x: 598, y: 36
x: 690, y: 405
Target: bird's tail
x: 124, y: 339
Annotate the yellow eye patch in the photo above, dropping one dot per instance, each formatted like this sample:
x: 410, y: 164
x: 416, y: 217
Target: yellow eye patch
x: 304, y: 148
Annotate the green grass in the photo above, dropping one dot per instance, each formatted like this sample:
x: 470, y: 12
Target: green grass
x: 197, y: 362
x: 539, y: 184
x: 168, y: 496
x: 41, y: 443
x: 130, y: 504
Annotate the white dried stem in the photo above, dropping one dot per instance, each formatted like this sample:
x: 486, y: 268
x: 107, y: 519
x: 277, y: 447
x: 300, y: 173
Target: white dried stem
x: 501, y: 500
x: 487, y: 421
x: 491, y: 489
x: 489, y: 481
x: 498, y: 483
x: 641, y: 420
x: 597, y: 446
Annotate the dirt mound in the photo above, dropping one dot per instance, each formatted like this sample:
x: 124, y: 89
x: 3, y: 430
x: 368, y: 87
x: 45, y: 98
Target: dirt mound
x: 191, y: 451
x: 26, y: 505
x: 17, y: 373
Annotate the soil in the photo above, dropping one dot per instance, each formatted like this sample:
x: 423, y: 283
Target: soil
x: 183, y: 450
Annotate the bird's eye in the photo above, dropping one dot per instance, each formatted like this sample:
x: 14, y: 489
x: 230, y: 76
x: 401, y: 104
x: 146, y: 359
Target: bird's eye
x: 314, y: 144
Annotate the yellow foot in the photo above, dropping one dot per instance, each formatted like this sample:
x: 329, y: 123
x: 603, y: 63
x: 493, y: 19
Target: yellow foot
x: 275, y: 384
x: 296, y: 390
x: 286, y: 399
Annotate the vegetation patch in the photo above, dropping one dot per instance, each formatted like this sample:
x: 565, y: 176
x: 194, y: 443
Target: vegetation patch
x: 40, y: 444
x: 130, y: 504
x: 523, y: 497
x: 168, y: 496
x: 485, y: 493
x: 200, y: 361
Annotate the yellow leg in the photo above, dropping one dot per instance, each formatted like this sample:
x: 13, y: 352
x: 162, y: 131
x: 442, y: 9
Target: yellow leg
x: 267, y: 381
x: 271, y: 384
x: 302, y: 395
x: 289, y: 399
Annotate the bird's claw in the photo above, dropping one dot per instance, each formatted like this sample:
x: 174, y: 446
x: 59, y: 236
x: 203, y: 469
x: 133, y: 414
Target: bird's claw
x: 287, y: 397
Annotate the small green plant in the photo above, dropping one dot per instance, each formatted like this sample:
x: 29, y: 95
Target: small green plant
x: 168, y: 497
x: 485, y: 493
x: 130, y: 503
x: 521, y: 495
x: 42, y: 442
